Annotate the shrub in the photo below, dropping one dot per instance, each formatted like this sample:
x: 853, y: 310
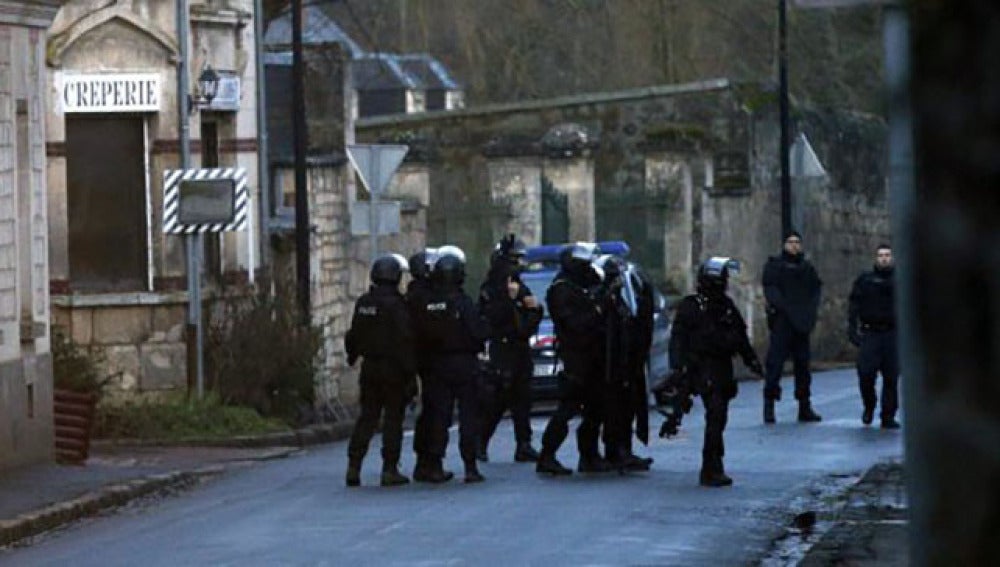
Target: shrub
x: 259, y: 355
x: 77, y: 368
x: 177, y: 418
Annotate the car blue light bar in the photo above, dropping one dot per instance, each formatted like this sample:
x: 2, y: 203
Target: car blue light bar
x: 550, y: 252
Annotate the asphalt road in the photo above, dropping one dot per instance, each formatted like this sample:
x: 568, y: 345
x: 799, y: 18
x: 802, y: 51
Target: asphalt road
x: 298, y: 512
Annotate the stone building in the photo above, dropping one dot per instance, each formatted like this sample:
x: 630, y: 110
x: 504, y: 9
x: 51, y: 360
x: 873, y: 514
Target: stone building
x: 26, y: 427
x: 117, y: 280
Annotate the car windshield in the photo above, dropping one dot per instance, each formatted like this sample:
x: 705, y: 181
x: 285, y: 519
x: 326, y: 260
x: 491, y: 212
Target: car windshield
x: 538, y: 283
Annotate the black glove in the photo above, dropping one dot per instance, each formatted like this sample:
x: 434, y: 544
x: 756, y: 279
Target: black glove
x: 854, y: 336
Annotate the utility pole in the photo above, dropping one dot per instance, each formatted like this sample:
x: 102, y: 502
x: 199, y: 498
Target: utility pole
x: 263, y: 169
x: 786, y: 179
x: 194, y: 333
x: 299, y: 149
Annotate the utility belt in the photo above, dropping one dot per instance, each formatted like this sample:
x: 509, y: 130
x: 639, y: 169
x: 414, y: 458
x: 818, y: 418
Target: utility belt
x: 878, y: 327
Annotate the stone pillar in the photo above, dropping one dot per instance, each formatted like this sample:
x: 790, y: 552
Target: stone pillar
x: 574, y: 177
x: 669, y: 178
x: 518, y: 182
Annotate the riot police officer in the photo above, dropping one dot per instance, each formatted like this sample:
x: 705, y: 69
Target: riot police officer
x: 514, y: 315
x: 454, y: 333
x: 574, y: 303
x: 792, y: 289
x: 707, y: 332
x: 872, y: 328
x: 417, y: 293
x: 381, y: 335
x: 629, y: 336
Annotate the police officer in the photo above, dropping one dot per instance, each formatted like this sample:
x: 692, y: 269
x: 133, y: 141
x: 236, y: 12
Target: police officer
x: 619, y: 337
x: 792, y: 289
x: 707, y: 332
x: 574, y: 303
x: 381, y: 335
x: 872, y: 328
x: 454, y: 332
x: 640, y: 332
x: 514, y: 315
x: 417, y: 293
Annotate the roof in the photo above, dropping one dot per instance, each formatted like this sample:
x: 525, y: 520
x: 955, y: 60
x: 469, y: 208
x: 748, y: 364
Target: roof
x: 427, y: 71
x: 380, y: 71
x: 317, y: 28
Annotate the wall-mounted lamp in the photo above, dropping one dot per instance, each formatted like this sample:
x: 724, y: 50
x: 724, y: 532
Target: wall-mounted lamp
x: 208, y: 87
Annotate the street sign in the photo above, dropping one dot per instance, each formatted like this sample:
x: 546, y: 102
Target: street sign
x: 803, y: 159
x: 205, y: 200
x: 375, y: 163
x: 387, y: 218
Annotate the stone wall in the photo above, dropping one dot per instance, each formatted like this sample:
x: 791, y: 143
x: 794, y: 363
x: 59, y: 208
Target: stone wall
x: 681, y: 172
x: 340, y: 262
x: 26, y: 425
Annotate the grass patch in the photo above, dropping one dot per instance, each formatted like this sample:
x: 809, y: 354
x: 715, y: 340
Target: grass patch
x: 177, y: 418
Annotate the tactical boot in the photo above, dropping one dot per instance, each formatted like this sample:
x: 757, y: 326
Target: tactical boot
x: 353, y: 477
x: 867, y: 416
x: 525, y: 453
x: 712, y: 472
x: 548, y: 464
x: 432, y: 472
x: 768, y: 411
x: 889, y: 423
x: 594, y: 465
x: 714, y: 479
x: 636, y: 463
x: 806, y: 413
x: 472, y: 474
x: 392, y: 477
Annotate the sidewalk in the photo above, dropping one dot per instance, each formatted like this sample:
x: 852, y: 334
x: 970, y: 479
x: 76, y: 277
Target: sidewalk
x: 871, y: 528
x: 38, y: 498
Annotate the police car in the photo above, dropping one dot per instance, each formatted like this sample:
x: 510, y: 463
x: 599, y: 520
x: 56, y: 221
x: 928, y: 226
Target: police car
x: 542, y: 267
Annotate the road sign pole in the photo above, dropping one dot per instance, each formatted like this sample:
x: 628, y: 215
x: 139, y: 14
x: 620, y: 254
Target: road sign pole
x: 373, y: 207
x: 192, y: 244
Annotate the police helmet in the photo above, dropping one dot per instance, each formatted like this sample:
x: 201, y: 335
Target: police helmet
x: 510, y: 247
x: 574, y: 256
x: 449, y: 270
x: 388, y: 269
x: 451, y: 250
x: 713, y: 275
x: 418, y: 265
x: 611, y: 266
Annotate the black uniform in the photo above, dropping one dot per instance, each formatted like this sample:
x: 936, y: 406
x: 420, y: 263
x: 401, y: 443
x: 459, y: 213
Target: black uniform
x: 872, y: 327
x: 579, y: 325
x: 707, y: 332
x: 417, y: 293
x: 512, y: 324
x: 454, y: 333
x: 792, y: 289
x: 381, y: 334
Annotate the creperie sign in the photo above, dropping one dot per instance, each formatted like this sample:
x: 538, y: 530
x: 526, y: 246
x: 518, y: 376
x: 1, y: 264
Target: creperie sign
x: 109, y: 92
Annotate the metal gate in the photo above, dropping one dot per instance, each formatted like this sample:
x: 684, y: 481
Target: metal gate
x: 639, y: 218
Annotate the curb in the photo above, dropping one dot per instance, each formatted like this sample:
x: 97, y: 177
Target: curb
x: 50, y: 517
x: 92, y: 503
x: 313, y: 435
